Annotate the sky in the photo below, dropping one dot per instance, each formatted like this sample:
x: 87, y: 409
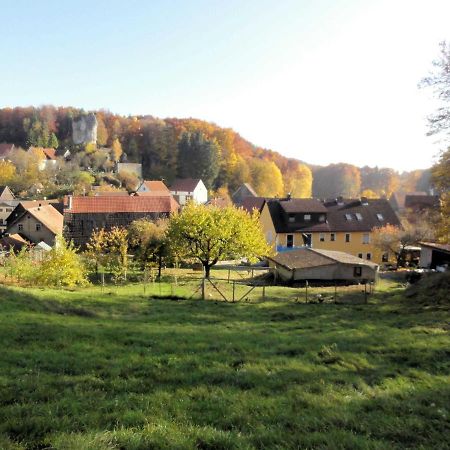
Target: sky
x: 323, y: 81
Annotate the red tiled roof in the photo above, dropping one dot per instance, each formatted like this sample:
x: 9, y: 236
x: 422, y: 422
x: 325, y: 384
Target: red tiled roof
x: 155, y: 186
x: 117, y: 204
x: 49, y: 217
x: 185, y: 184
x: 50, y: 153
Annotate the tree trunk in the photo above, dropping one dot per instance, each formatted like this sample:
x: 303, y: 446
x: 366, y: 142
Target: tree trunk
x: 207, y: 268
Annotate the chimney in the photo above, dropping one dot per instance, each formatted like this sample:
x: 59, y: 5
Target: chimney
x: 70, y: 200
x: 288, y: 196
x: 340, y: 200
x: 364, y: 201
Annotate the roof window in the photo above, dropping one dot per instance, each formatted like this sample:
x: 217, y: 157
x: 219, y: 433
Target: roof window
x: 348, y: 217
x: 359, y: 216
x: 380, y: 217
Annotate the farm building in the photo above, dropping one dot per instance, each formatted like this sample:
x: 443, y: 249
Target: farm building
x: 325, y: 265
x: 434, y: 255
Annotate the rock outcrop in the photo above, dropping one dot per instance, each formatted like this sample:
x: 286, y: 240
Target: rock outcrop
x: 84, y: 129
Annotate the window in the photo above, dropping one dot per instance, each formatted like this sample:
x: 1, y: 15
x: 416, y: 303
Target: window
x: 307, y: 217
x: 380, y: 217
x: 290, y: 240
x: 307, y: 239
x: 385, y: 257
x: 20, y: 227
x: 366, y: 238
x: 369, y: 256
x: 1, y: 209
x: 360, y: 255
x: 38, y: 226
x: 357, y: 271
x: 332, y: 237
x: 322, y: 218
x: 358, y: 216
x: 291, y: 217
x: 322, y: 237
x: 348, y: 217
x: 347, y: 237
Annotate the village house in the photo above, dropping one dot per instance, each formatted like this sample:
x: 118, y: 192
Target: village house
x: 7, y: 205
x: 6, y: 150
x: 37, y: 223
x: 341, y: 225
x: 186, y: 189
x: 242, y: 192
x: 47, y: 157
x: 325, y: 265
x: 83, y: 215
x: 152, y: 187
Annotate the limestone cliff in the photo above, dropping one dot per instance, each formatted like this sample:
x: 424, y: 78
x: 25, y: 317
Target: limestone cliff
x: 84, y: 129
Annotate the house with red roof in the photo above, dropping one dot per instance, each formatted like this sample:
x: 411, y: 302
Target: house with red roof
x: 47, y: 157
x: 185, y: 189
x: 83, y: 215
x: 152, y: 187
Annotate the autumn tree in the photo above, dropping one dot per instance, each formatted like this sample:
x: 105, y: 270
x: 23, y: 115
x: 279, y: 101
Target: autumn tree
x: 148, y: 240
x: 7, y: 172
x: 394, y: 240
x: 298, y: 181
x: 266, y: 178
x: 337, y: 179
x: 116, y: 150
x: 211, y: 234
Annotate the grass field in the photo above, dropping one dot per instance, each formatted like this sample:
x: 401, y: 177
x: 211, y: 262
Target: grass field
x: 113, y: 368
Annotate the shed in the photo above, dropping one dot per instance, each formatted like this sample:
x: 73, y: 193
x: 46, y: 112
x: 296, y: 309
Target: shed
x: 324, y: 265
x: 434, y: 255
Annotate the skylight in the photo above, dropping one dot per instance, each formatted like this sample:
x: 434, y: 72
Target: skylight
x: 359, y: 216
x: 380, y: 217
x: 348, y: 217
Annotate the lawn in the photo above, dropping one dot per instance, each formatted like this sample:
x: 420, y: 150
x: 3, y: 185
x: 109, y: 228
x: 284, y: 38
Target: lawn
x: 113, y: 368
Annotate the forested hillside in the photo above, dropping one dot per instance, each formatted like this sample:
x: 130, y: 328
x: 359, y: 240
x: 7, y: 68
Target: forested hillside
x: 174, y: 147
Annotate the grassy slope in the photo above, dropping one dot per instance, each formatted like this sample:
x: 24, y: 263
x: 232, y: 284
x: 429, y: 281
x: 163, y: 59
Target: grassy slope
x: 86, y: 370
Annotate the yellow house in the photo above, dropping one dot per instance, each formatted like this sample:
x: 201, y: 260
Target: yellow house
x: 340, y: 225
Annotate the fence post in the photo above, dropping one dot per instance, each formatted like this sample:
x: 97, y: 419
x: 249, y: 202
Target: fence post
x: 365, y: 292
x: 229, y: 270
x: 264, y: 292
x: 203, y: 288
x: 103, y: 281
x: 234, y: 284
x: 306, y: 290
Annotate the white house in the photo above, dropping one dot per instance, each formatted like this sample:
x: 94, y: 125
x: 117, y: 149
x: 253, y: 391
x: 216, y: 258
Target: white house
x: 189, y: 189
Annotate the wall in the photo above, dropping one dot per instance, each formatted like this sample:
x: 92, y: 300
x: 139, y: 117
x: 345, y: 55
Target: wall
x: 29, y: 230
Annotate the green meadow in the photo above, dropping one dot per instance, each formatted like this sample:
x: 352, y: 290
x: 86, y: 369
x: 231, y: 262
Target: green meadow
x: 117, y: 368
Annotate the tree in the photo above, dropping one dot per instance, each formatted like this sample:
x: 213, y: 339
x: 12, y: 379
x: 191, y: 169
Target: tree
x: 298, y: 181
x: 392, y: 239
x: 53, y: 141
x: 7, y: 172
x: 266, y: 178
x: 212, y: 234
x: 198, y: 157
x: 441, y: 179
x: 116, y: 150
x: 62, y: 266
x: 337, y: 179
x: 439, y: 82
x: 128, y: 180
x: 148, y: 239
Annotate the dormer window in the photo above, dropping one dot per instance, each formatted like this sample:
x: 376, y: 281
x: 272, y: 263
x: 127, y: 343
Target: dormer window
x: 380, y: 217
x: 348, y: 217
x: 359, y: 216
x: 307, y: 217
x: 322, y: 218
x: 291, y: 218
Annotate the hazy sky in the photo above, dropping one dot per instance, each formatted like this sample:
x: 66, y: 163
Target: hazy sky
x: 319, y: 80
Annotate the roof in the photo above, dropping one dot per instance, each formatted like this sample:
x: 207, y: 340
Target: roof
x: 219, y: 202
x: 281, y: 225
x: 302, y: 205
x: 303, y: 258
x: 441, y: 247
x: 120, y: 204
x: 353, y: 215
x: 13, y: 240
x: 5, y: 193
x: 155, y: 186
x: 5, y: 149
x: 414, y: 200
x: 48, y: 216
x: 251, y: 203
x: 50, y: 153
x: 185, y: 184
x: 57, y: 204
x: 242, y: 192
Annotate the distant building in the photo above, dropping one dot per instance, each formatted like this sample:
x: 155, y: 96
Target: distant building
x: 83, y: 215
x: 324, y: 265
x: 36, y: 224
x: 7, y: 205
x: 244, y: 191
x: 47, y: 157
x: 153, y: 187
x: 421, y: 203
x: 186, y: 189
x: 434, y: 255
x: 6, y: 150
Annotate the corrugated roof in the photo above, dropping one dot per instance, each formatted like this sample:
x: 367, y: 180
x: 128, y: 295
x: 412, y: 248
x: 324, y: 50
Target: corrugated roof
x: 115, y: 204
